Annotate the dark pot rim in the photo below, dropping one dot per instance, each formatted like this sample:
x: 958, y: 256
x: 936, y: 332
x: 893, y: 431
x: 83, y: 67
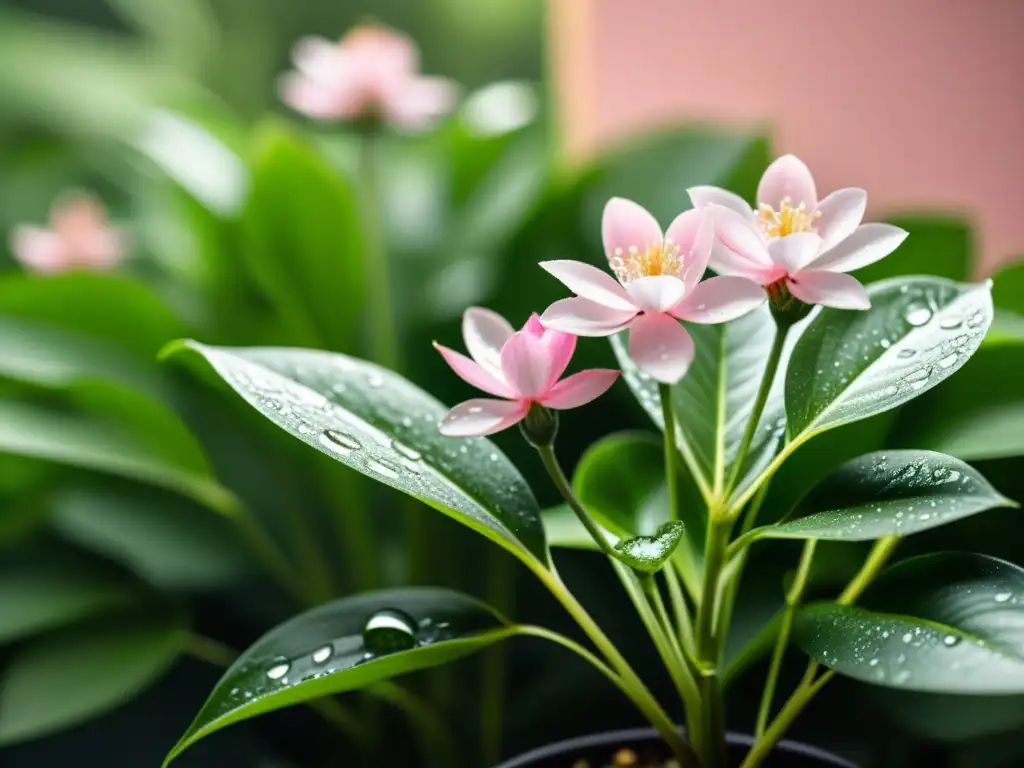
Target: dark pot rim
x: 633, y: 735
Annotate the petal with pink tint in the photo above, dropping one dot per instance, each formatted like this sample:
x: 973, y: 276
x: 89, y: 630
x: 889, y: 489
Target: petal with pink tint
x: 741, y: 236
x: 727, y: 262
x: 473, y: 373
x: 417, y: 104
x: 626, y: 224
x: 583, y: 317
x: 841, y: 213
x: 485, y: 333
x: 661, y: 347
x: 319, y: 59
x: 657, y: 293
x: 39, y: 250
x: 526, y: 365
x: 589, y: 282
x: 694, y: 233
x: 719, y: 300
x: 533, y: 326
x: 580, y: 388
x: 787, y: 177
x: 794, y: 252
x: 314, y: 100
x: 831, y: 289
x: 867, y: 244
x: 381, y: 51
x: 482, y: 416
x: 704, y: 196
x: 560, y: 347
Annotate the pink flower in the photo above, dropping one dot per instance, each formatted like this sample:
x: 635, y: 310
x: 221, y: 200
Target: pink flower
x: 523, y: 367
x: 659, y: 283
x: 371, y: 73
x: 80, y: 236
x: 796, y: 240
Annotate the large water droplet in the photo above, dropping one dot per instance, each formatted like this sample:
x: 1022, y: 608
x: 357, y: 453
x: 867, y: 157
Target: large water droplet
x: 406, y: 451
x: 1002, y: 597
x: 321, y: 655
x: 905, y: 353
x: 951, y: 323
x: 279, y: 669
x: 948, y: 361
x: 950, y: 640
x: 339, y: 442
x: 917, y: 314
x: 383, y: 468
x: 389, y: 631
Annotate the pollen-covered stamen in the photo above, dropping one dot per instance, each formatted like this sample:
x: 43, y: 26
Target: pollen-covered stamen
x: 661, y: 259
x: 787, y: 220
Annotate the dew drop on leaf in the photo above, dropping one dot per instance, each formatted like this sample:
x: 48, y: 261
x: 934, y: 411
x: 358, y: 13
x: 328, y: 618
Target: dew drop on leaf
x: 321, y: 655
x: 339, y: 442
x: 279, y: 669
x: 389, y: 631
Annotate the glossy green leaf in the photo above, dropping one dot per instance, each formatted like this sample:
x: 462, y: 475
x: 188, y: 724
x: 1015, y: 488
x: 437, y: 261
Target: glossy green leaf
x: 945, y: 623
x: 378, y: 423
x: 563, y: 529
x: 713, y: 401
x: 86, y: 441
x: 851, y: 365
x: 345, y: 645
x: 305, y: 240
x: 650, y: 553
x: 77, y: 673
x: 890, y: 493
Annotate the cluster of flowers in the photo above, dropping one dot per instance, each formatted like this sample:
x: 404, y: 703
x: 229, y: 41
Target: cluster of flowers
x: 792, y: 248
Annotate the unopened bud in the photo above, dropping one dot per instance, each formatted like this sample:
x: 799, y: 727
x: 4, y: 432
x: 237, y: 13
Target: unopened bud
x: 540, y: 426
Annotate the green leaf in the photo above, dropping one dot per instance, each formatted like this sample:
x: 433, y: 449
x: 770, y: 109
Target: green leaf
x: 345, y: 645
x: 935, y: 245
x: 77, y: 673
x: 650, y: 553
x: 86, y: 441
x: 849, y: 365
x: 713, y: 401
x: 1008, y: 287
x: 49, y: 592
x: 305, y: 240
x: 563, y: 529
x: 890, y: 493
x: 945, y: 623
x: 378, y: 423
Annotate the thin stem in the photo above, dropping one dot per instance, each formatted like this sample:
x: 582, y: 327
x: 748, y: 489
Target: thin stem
x: 877, y: 558
x: 653, y: 593
x: 547, y: 456
x: 711, y: 739
x: 793, y: 597
x: 209, y: 650
x: 790, y: 711
x: 684, y: 626
x: 767, y: 379
x: 671, y: 455
x: 436, y: 743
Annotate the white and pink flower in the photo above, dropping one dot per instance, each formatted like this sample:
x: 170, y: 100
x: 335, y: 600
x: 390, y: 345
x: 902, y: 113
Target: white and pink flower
x: 657, y: 283
x: 372, y: 73
x: 796, y: 240
x: 80, y: 237
x: 520, y: 367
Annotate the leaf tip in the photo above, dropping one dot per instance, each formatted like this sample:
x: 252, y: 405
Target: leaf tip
x: 172, y: 348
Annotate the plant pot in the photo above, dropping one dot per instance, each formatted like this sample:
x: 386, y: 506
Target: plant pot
x: 598, y: 750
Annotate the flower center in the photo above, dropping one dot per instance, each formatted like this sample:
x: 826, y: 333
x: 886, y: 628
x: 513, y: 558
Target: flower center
x: 787, y: 220
x: 660, y: 259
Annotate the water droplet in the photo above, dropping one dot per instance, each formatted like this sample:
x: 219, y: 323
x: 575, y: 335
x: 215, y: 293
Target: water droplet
x: 948, y: 361
x: 320, y: 655
x: 406, y: 451
x: 907, y: 637
x: 389, y: 631
x: 279, y: 670
x: 234, y: 691
x: 885, y: 343
x: 339, y: 388
x: 917, y: 314
x: 1002, y: 597
x: 383, y: 468
x: 950, y: 323
x: 339, y: 442
x: 950, y: 640
x: 906, y: 353
x: 493, y: 457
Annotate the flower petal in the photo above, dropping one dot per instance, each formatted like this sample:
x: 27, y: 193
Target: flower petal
x: 473, y: 373
x: 741, y: 236
x: 726, y: 261
x: 584, y: 317
x: 694, y: 232
x: 867, y: 244
x: 841, y: 212
x: 719, y: 300
x: 485, y: 333
x: 526, y: 364
x: 626, y: 224
x: 794, y: 252
x: 703, y: 196
x: 657, y: 293
x: 580, y: 388
x: 39, y: 250
x: 418, y: 103
x: 315, y: 100
x: 832, y: 289
x: 590, y: 282
x: 560, y: 347
x: 319, y: 59
x: 787, y: 177
x: 482, y: 416
x: 661, y: 347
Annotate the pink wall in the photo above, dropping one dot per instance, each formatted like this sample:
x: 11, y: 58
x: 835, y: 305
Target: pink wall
x: 919, y: 101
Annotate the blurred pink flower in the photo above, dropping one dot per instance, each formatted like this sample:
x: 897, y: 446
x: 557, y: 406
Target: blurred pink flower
x: 523, y: 367
x: 659, y: 283
x: 371, y: 73
x: 795, y: 239
x: 80, y: 237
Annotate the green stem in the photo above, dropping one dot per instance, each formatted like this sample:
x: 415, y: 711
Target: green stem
x: 671, y: 470
x: 877, y: 558
x: 436, y: 743
x: 767, y: 379
x: 790, y: 711
x: 793, y: 597
x: 650, y: 586
x: 711, y: 738
x: 684, y: 627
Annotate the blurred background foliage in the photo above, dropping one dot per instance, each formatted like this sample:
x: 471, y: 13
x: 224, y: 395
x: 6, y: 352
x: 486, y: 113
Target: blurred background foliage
x: 150, y: 522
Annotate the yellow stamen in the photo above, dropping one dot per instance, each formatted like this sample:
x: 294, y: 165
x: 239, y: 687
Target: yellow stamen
x: 787, y: 220
x: 661, y: 259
